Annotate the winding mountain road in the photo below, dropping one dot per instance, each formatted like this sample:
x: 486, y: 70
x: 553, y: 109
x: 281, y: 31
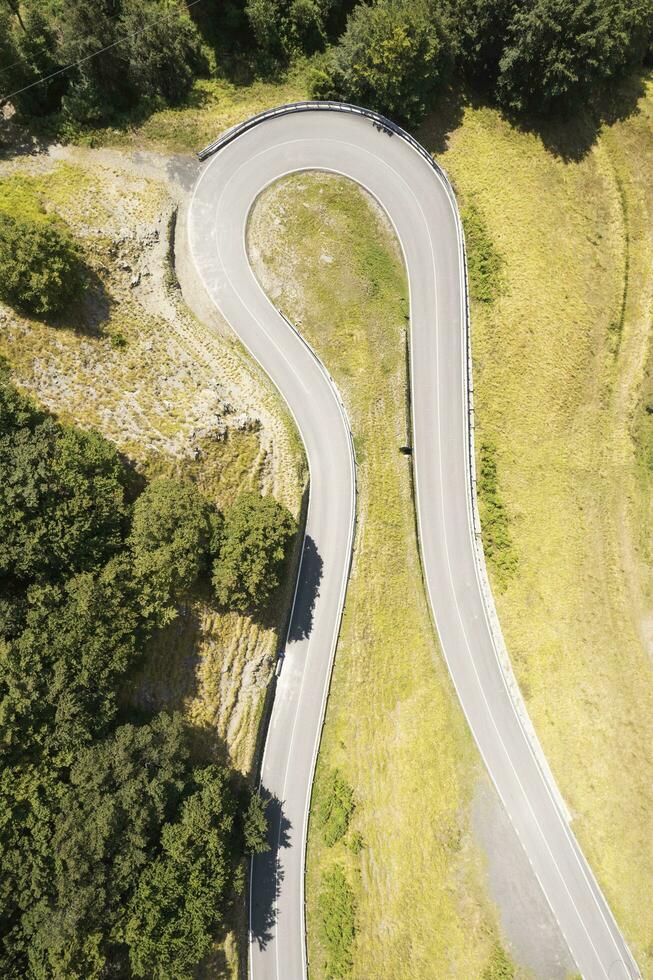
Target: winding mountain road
x: 418, y: 200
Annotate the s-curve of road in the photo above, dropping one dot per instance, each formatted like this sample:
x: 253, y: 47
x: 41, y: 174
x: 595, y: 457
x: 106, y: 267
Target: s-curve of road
x: 418, y: 200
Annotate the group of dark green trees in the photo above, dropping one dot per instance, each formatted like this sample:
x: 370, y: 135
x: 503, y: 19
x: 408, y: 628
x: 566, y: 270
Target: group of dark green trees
x: 529, y: 56
x: 120, y: 849
x: 151, y: 49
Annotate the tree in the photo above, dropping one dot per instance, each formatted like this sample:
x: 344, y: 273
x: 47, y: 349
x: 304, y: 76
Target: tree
x: 36, y: 48
x: 30, y: 798
x: 182, y: 896
x: 70, y: 616
x: 100, y: 84
x: 134, y: 857
x: 7, y: 44
x: 166, y: 58
x: 83, y: 804
x: 393, y: 57
x: 59, y: 673
x: 255, y: 825
x: 254, y: 542
x: 72, y: 852
x: 14, y: 7
x: 173, y: 528
x: 62, y: 494
x: 558, y: 51
x: 481, y: 28
x: 40, y: 263
x: 122, y: 790
x: 284, y: 28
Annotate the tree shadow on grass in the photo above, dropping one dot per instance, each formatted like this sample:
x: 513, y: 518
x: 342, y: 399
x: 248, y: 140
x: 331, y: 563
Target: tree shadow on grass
x: 86, y: 313
x: 571, y: 136
x: 18, y: 140
x: 445, y: 116
x: 166, y: 677
x: 568, y: 136
x: 92, y: 310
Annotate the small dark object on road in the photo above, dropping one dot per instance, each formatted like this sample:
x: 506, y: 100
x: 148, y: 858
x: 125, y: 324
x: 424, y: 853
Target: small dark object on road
x: 383, y: 129
x: 406, y: 450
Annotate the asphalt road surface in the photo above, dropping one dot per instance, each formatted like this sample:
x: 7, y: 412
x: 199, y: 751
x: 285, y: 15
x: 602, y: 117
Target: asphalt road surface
x: 420, y: 206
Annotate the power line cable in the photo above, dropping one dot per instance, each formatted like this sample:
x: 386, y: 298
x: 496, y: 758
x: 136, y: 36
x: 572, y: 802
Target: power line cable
x: 94, y: 54
x: 12, y: 65
x: 19, y: 61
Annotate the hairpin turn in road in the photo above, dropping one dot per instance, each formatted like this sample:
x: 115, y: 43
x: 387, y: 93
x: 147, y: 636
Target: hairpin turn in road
x: 420, y: 203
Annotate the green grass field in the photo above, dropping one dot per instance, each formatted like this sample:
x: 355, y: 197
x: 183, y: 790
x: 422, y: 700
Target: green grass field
x: 561, y: 394
x: 394, y: 883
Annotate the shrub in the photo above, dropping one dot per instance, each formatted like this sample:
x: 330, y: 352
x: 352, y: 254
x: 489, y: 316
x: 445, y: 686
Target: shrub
x: 392, y: 57
x: 643, y: 418
x: 40, y: 264
x: 337, y: 911
x: 499, y: 966
x: 484, y: 263
x: 335, y: 807
x: 254, y: 542
x: 495, y: 520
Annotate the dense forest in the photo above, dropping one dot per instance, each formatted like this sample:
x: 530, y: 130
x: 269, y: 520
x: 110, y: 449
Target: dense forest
x: 529, y: 56
x: 120, y: 845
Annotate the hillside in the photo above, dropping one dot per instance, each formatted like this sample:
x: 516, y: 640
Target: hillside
x: 559, y: 223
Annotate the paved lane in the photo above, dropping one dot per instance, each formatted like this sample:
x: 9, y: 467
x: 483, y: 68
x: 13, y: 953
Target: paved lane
x: 420, y: 205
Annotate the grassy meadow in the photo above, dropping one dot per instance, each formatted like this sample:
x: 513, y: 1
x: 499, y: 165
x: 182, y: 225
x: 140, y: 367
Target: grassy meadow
x: 563, y: 396
x: 561, y: 246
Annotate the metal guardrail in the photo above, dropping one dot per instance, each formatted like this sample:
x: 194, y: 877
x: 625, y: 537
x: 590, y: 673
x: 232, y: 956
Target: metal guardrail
x: 382, y: 122
x: 393, y: 129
